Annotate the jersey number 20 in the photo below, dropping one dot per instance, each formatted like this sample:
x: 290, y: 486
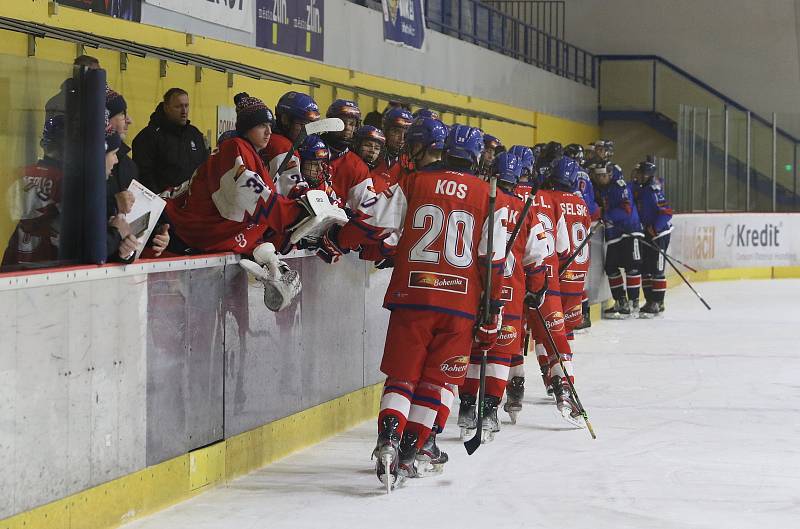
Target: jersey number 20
x: 458, y: 227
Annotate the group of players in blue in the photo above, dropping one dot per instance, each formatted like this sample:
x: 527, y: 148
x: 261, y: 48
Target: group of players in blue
x: 637, y: 224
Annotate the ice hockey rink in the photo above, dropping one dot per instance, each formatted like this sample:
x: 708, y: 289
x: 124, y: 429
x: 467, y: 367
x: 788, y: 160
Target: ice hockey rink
x: 697, y: 422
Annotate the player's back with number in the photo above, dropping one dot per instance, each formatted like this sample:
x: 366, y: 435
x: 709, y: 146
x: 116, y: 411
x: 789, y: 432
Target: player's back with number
x: 437, y: 254
x: 556, y: 233
x: 577, y: 220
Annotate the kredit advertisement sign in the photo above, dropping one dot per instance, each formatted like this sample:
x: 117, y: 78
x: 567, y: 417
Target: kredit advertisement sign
x: 736, y: 240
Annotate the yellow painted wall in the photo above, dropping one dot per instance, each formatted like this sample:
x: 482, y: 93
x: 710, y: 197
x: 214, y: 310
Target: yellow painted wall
x: 29, y: 82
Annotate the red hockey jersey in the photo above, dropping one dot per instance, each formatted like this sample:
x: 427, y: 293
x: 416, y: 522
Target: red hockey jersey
x: 524, y: 268
x: 437, y: 219
x: 556, y: 236
x: 35, y: 239
x: 351, y: 179
x: 228, y: 206
x: 577, y: 219
x: 272, y: 156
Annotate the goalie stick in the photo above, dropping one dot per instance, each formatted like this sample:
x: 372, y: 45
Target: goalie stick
x: 315, y: 127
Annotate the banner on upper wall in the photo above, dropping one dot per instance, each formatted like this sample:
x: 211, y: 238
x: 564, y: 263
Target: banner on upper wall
x: 235, y: 14
x: 404, y: 23
x: 125, y: 9
x: 291, y: 26
x: 226, y: 119
x: 732, y: 240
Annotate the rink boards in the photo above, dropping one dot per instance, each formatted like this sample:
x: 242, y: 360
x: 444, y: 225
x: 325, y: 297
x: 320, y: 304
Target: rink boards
x: 166, y: 376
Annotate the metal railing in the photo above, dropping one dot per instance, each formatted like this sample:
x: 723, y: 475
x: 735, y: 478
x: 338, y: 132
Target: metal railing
x: 728, y: 157
x: 492, y: 28
x: 546, y: 15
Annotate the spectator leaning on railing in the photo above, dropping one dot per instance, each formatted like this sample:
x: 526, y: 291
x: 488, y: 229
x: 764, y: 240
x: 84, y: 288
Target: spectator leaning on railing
x: 169, y: 149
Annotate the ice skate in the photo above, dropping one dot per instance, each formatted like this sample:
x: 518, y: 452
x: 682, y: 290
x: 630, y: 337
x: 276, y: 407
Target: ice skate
x: 585, y: 323
x: 567, y: 408
x: 649, y: 310
x: 634, y: 305
x: 621, y: 310
x: 430, y: 458
x: 467, y: 416
x: 515, y: 391
x: 660, y: 306
x: 490, y: 424
x: 386, y: 452
x: 407, y: 455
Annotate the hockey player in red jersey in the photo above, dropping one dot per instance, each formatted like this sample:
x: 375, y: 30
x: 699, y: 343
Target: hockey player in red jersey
x: 339, y: 142
x: 36, y: 237
x: 523, y: 273
x: 556, y: 209
x: 396, y: 121
x: 368, y: 144
x: 230, y: 204
x: 438, y: 219
x: 561, y: 179
x: 315, y: 169
x: 294, y: 110
x: 492, y: 147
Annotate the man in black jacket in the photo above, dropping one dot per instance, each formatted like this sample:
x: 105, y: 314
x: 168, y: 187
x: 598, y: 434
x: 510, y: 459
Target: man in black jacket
x: 170, y: 148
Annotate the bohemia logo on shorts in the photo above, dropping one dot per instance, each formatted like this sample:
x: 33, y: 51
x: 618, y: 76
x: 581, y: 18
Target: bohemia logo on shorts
x: 507, y: 335
x: 455, y: 367
x: 574, y: 313
x: 571, y: 275
x: 436, y: 281
x: 555, y: 321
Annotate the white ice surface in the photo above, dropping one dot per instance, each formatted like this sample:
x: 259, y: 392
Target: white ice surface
x: 697, y: 420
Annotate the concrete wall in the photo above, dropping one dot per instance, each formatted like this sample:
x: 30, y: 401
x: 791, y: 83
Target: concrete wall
x: 747, y: 50
x: 354, y: 40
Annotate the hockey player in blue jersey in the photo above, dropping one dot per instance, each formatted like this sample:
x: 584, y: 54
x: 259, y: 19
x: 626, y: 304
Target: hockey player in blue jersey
x: 656, y: 215
x: 622, y: 233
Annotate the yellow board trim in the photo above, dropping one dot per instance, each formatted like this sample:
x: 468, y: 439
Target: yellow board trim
x: 157, y: 487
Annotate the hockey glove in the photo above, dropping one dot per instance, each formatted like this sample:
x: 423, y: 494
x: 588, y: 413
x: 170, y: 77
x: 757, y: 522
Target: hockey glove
x: 329, y: 249
x: 536, y: 299
x: 486, y: 332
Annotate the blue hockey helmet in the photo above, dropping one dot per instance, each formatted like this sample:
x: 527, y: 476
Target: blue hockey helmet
x: 491, y: 142
x: 465, y: 143
x: 344, y: 108
x: 429, y: 132
x: 313, y: 149
x: 525, y: 156
x: 426, y: 113
x: 507, y: 168
x: 397, y: 117
x: 563, y: 174
x: 298, y: 107
x: 53, y: 131
x: 369, y: 133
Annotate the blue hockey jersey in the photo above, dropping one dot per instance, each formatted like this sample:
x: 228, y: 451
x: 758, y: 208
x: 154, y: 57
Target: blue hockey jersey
x: 654, y: 210
x: 619, y: 211
x: 585, y: 190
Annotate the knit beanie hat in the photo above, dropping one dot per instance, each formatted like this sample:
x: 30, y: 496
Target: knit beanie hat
x: 251, y: 112
x: 115, y: 103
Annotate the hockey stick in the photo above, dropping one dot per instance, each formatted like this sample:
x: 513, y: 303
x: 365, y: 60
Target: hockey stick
x: 563, y: 268
x: 658, y: 248
x: 315, y: 127
x: 564, y: 369
x: 696, y: 293
x: 474, y: 442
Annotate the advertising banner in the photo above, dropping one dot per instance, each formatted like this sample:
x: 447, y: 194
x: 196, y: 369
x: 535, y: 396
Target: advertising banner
x: 226, y: 119
x: 125, y: 9
x: 235, y: 14
x: 291, y: 26
x: 404, y: 23
x: 736, y: 240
